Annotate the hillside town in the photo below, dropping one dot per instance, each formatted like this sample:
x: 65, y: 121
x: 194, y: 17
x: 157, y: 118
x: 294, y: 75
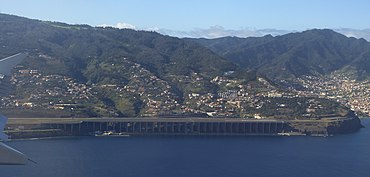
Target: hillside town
x: 343, y: 89
x: 151, y: 96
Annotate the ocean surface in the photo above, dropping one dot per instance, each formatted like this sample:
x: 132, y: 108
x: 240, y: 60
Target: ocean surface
x: 191, y: 156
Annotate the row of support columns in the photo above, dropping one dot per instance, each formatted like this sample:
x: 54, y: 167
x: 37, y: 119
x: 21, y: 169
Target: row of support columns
x: 183, y: 128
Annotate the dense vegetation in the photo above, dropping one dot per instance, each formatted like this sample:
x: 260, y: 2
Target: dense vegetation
x: 311, y: 52
x: 76, y: 49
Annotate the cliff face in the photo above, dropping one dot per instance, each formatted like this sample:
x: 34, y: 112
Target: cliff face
x: 345, y: 126
x: 328, y: 126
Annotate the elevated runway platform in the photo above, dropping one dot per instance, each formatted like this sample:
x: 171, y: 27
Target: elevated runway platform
x: 160, y: 126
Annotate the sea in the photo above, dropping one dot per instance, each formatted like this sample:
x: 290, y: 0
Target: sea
x: 196, y: 156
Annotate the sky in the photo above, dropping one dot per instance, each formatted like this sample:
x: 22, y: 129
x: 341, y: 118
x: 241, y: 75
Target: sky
x: 192, y: 16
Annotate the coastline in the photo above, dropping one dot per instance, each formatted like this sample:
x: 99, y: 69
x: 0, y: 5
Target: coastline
x: 29, y: 128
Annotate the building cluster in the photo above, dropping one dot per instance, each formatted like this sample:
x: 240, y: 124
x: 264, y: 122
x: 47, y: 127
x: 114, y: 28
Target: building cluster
x: 350, y: 92
x: 220, y: 97
x: 232, y: 98
x: 156, y: 94
x: 46, y: 91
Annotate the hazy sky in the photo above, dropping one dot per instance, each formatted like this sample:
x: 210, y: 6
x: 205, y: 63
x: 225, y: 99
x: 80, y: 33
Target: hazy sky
x: 191, y: 14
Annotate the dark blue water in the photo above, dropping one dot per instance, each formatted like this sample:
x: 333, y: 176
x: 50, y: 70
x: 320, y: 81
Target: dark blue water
x: 338, y: 156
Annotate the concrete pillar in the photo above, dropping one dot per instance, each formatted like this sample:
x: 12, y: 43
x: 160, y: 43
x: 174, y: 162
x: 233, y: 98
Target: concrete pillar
x: 159, y: 126
x: 231, y: 128
x: 79, y: 128
x: 270, y: 128
x: 276, y: 129
x: 218, y: 127
x: 179, y: 127
x: 245, y: 127
x: 255, y: 126
x: 197, y: 127
x: 282, y: 126
x: 146, y: 127
x: 172, y: 127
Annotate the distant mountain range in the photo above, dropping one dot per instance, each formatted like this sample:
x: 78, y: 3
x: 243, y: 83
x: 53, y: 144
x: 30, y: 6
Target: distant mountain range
x: 219, y: 32
x: 313, y: 52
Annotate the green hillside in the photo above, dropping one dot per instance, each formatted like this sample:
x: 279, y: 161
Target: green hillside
x: 108, y: 56
x: 312, y: 52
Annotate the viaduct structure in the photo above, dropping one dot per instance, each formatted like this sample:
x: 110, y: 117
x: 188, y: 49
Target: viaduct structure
x: 174, y: 126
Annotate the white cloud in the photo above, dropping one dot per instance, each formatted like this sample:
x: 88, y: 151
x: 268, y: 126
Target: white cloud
x: 151, y: 29
x: 364, y: 33
x: 120, y: 25
x: 104, y: 25
x: 219, y: 31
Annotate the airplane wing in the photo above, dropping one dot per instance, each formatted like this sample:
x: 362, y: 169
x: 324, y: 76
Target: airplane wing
x: 6, y: 66
x: 8, y: 63
x: 3, y: 121
x: 8, y: 155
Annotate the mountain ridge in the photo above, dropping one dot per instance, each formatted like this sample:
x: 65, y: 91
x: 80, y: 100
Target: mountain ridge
x: 318, y: 51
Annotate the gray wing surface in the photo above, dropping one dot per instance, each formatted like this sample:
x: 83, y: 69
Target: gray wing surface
x: 8, y: 155
x: 3, y: 121
x: 8, y: 63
